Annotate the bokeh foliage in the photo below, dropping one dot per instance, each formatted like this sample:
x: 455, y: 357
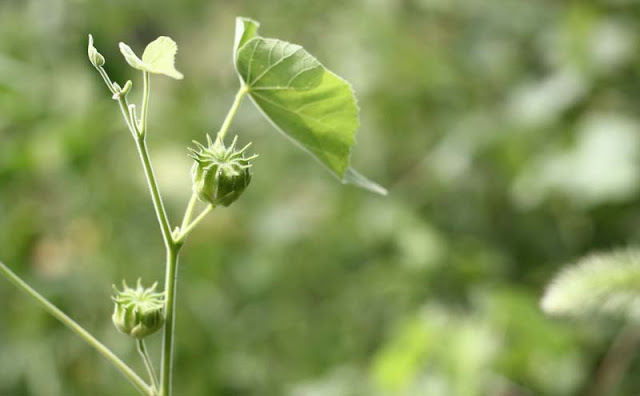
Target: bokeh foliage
x: 505, y: 130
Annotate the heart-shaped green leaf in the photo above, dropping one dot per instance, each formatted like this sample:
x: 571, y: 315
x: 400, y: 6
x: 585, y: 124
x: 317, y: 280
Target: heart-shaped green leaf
x: 158, y: 57
x: 306, y: 102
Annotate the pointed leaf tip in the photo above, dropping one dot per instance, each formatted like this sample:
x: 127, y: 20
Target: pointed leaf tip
x: 353, y: 177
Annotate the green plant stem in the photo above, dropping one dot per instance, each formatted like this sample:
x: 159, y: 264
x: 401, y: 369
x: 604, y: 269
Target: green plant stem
x: 106, y: 79
x: 139, y: 133
x: 142, y: 350
x: 122, y: 102
x: 141, y: 143
x: 124, y: 108
x: 172, y: 244
x: 184, y: 231
x: 189, y: 211
x: 145, y: 103
x: 139, y: 384
x: 171, y: 276
x: 232, y: 111
x: 161, y: 214
x: 132, y: 117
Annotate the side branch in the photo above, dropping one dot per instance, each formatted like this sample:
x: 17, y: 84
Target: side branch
x: 232, y: 111
x: 140, y: 385
x: 184, y: 231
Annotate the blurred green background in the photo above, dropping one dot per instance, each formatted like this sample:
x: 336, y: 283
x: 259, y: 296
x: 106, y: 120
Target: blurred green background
x: 507, y: 132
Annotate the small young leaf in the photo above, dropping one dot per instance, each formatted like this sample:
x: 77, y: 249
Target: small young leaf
x: 131, y: 58
x: 597, y: 284
x: 309, y: 104
x: 158, y: 57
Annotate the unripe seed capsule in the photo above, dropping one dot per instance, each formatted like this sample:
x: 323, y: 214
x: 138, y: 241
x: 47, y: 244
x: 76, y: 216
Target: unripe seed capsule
x: 138, y: 312
x: 220, y: 174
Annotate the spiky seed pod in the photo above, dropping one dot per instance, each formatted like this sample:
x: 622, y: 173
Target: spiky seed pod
x: 138, y: 312
x: 220, y: 174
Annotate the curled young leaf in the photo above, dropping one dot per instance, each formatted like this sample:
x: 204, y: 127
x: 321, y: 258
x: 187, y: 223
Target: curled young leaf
x: 309, y: 104
x: 131, y: 58
x: 606, y: 283
x: 158, y: 57
x: 96, y: 58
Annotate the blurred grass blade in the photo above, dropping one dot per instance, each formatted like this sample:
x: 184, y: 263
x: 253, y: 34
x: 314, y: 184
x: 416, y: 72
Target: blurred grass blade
x: 606, y: 283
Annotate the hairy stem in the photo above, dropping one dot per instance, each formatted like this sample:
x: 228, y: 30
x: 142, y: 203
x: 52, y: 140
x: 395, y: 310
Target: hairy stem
x: 139, y: 384
x: 173, y: 249
x: 189, y: 212
x: 161, y: 214
x: 106, y: 79
x: 184, y: 231
x: 232, y: 111
x: 172, y: 244
x: 142, y: 350
x: 139, y: 130
x: 139, y: 134
x: 171, y: 279
x: 145, y: 103
x: 126, y: 113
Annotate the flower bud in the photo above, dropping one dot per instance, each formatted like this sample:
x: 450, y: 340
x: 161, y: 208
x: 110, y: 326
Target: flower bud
x: 138, y: 312
x: 220, y: 174
x: 122, y: 91
x: 96, y: 58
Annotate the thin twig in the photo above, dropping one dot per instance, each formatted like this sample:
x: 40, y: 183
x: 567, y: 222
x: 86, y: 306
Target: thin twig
x: 142, y: 350
x: 615, y: 362
x: 139, y: 384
